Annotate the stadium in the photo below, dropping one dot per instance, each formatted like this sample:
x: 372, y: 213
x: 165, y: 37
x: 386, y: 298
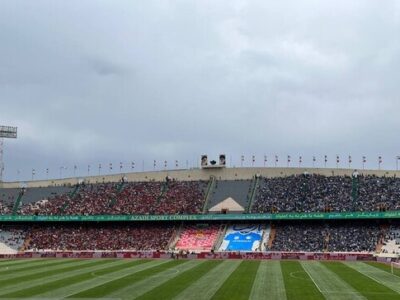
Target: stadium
x: 199, y: 150
x: 207, y: 233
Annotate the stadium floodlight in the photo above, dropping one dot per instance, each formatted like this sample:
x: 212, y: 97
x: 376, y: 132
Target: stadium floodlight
x: 7, y: 132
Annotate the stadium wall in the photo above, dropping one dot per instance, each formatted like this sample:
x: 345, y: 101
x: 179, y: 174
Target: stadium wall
x: 197, y: 174
x: 343, y: 256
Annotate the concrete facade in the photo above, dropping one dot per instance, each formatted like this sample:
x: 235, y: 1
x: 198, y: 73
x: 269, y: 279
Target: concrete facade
x: 197, y: 174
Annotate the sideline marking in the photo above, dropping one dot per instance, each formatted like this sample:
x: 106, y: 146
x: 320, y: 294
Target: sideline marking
x: 312, y: 279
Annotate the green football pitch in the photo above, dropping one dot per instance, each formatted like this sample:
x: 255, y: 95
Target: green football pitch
x: 196, y: 279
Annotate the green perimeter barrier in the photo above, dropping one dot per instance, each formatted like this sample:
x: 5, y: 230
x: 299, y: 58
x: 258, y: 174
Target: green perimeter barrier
x: 208, y: 217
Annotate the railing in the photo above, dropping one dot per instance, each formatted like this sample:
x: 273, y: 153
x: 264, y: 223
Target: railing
x: 210, y: 188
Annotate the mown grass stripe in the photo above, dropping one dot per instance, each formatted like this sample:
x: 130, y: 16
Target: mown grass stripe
x: 269, y: 282
x: 206, y: 286
x: 240, y: 282
x: 330, y: 285
x: 101, y: 280
x: 64, y: 282
x: 363, y: 284
x: 43, y: 268
x: 143, y: 286
x: 18, y: 261
x: 384, y: 267
x: 380, y: 276
x: 298, y: 284
x: 27, y: 266
x: 41, y: 271
x: 55, y: 275
x: 174, y: 286
x: 120, y: 283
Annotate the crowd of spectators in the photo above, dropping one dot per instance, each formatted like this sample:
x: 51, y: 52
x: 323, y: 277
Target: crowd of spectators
x: 295, y: 193
x: 12, y: 237
x: 182, y: 197
x: 318, y: 193
x: 104, y: 237
x: 5, y: 208
x: 169, y: 197
x: 378, y: 193
x: 6, y: 203
x: 317, y: 237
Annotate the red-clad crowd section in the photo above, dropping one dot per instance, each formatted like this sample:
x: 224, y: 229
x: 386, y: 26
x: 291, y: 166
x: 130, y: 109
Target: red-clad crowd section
x: 125, y: 198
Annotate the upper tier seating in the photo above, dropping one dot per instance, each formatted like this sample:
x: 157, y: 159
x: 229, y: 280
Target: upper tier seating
x: 172, y: 197
x: 317, y: 193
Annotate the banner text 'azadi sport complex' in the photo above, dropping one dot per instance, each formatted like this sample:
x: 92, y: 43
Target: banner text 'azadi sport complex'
x: 206, y: 217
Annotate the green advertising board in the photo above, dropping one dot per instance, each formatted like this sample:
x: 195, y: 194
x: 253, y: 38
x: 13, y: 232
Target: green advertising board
x: 206, y: 217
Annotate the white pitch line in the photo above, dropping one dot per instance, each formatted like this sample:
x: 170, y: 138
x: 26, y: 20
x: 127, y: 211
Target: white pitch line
x: 330, y: 284
x: 376, y: 274
x: 206, y: 286
x: 312, y: 279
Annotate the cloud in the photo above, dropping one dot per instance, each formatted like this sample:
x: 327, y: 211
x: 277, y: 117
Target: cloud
x: 90, y: 82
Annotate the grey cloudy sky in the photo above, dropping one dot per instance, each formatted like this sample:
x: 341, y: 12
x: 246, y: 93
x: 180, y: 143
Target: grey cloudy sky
x: 91, y: 82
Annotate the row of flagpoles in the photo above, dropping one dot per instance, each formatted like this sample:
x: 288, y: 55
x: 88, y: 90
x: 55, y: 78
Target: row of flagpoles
x: 110, y: 167
x: 314, y: 160
x: 132, y: 165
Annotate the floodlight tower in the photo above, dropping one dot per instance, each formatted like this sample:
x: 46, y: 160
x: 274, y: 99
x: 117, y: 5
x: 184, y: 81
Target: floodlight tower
x: 7, y: 132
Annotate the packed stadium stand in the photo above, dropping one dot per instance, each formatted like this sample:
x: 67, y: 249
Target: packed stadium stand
x: 286, y: 212
x: 327, y: 237
x: 170, y: 197
x: 94, y: 237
